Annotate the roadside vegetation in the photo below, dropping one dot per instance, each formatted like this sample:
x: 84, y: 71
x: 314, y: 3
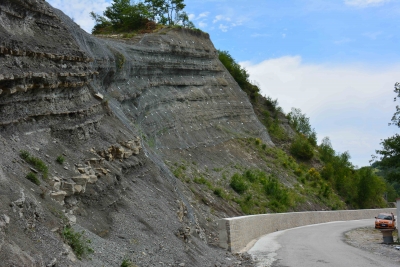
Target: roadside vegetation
x: 387, y: 164
x: 320, y: 168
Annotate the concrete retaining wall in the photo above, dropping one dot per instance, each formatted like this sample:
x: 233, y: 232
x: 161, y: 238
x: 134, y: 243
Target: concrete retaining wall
x: 236, y: 233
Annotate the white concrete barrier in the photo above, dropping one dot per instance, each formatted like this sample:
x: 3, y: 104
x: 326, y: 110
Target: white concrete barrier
x: 236, y: 233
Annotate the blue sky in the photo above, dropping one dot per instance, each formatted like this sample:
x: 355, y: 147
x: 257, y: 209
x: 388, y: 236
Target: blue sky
x: 336, y: 60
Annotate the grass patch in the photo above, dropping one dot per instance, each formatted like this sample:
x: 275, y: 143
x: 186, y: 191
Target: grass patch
x: 260, y: 192
x: 179, y: 172
x: 127, y: 263
x: 60, y: 159
x: 219, y: 192
x: 202, y: 180
x: 33, y: 178
x: 238, y: 183
x: 77, y: 241
x: 36, y: 162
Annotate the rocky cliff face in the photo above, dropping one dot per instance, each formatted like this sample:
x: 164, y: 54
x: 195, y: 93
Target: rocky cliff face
x: 105, y: 116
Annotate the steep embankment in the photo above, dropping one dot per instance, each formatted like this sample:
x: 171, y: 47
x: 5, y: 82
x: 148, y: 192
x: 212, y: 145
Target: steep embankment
x: 98, y: 119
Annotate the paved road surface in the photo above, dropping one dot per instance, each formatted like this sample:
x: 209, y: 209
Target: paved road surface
x: 316, y: 245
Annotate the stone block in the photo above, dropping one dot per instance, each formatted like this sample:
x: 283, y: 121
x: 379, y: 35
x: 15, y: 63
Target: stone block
x: 82, y: 170
x: 128, y: 153
x: 99, y: 96
x: 81, y: 180
x: 58, y: 196
x: 57, y: 186
x: 68, y: 188
x: 79, y: 189
x: 92, y: 179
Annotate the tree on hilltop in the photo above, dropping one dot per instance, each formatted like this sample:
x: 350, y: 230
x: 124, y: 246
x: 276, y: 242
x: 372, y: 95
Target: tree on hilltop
x: 125, y: 15
x: 166, y: 12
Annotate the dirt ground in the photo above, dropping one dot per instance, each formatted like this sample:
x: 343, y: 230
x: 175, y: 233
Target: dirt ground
x: 370, y: 239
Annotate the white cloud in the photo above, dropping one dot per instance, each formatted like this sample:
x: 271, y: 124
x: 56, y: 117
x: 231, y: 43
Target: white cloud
x: 221, y: 17
x: 365, y: 3
x: 203, y: 15
x: 372, y: 35
x: 202, y: 24
x: 352, y: 104
x: 79, y: 10
x: 283, y: 35
x: 343, y: 41
x: 223, y: 27
x: 193, y: 17
x: 260, y: 35
x: 228, y: 23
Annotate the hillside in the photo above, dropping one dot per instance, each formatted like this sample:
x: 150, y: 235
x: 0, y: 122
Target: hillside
x: 142, y: 143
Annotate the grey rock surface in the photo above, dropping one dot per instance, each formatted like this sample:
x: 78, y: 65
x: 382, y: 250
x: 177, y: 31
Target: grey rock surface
x: 115, y: 110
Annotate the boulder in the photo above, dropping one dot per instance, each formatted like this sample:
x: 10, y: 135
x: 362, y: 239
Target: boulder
x: 92, y: 179
x: 58, y: 196
x: 79, y: 189
x: 81, y: 180
x: 57, y: 186
x: 68, y: 188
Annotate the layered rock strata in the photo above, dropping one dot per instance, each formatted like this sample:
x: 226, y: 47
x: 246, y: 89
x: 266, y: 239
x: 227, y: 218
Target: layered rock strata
x: 113, y: 108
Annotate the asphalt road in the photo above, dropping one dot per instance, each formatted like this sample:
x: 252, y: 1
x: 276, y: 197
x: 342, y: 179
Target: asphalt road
x: 315, y: 245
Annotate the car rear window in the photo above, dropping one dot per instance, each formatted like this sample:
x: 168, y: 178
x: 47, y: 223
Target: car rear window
x: 384, y: 217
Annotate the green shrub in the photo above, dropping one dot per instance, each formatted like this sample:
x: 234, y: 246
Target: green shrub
x: 218, y: 192
x: 254, y: 175
x: 60, y: 159
x: 264, y: 146
x: 24, y: 154
x: 36, y: 162
x: 298, y: 172
x: 271, y: 187
x: 77, y: 241
x: 204, y: 181
x: 301, y: 148
x: 127, y: 263
x: 313, y: 175
x: 238, y: 183
x: 32, y: 177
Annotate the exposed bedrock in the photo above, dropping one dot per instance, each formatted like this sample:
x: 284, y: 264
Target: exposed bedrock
x: 173, y: 86
x: 170, y: 84
x: 114, y: 110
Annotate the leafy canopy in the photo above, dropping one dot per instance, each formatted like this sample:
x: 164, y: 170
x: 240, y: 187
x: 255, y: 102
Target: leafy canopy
x: 302, y: 125
x: 390, y: 153
x: 125, y: 15
x: 239, y: 74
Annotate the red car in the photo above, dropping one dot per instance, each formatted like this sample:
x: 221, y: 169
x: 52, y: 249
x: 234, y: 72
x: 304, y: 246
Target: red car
x: 385, y: 221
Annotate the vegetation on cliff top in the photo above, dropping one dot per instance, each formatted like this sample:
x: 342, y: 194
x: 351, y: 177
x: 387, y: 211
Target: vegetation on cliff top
x: 124, y: 16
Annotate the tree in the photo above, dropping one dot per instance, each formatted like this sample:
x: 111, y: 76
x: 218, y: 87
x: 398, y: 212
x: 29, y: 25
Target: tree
x: 390, y: 152
x: 166, y: 12
x: 396, y: 115
x: 239, y: 74
x: 301, y: 124
x: 370, y: 189
x: 123, y: 15
x: 118, y: 12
